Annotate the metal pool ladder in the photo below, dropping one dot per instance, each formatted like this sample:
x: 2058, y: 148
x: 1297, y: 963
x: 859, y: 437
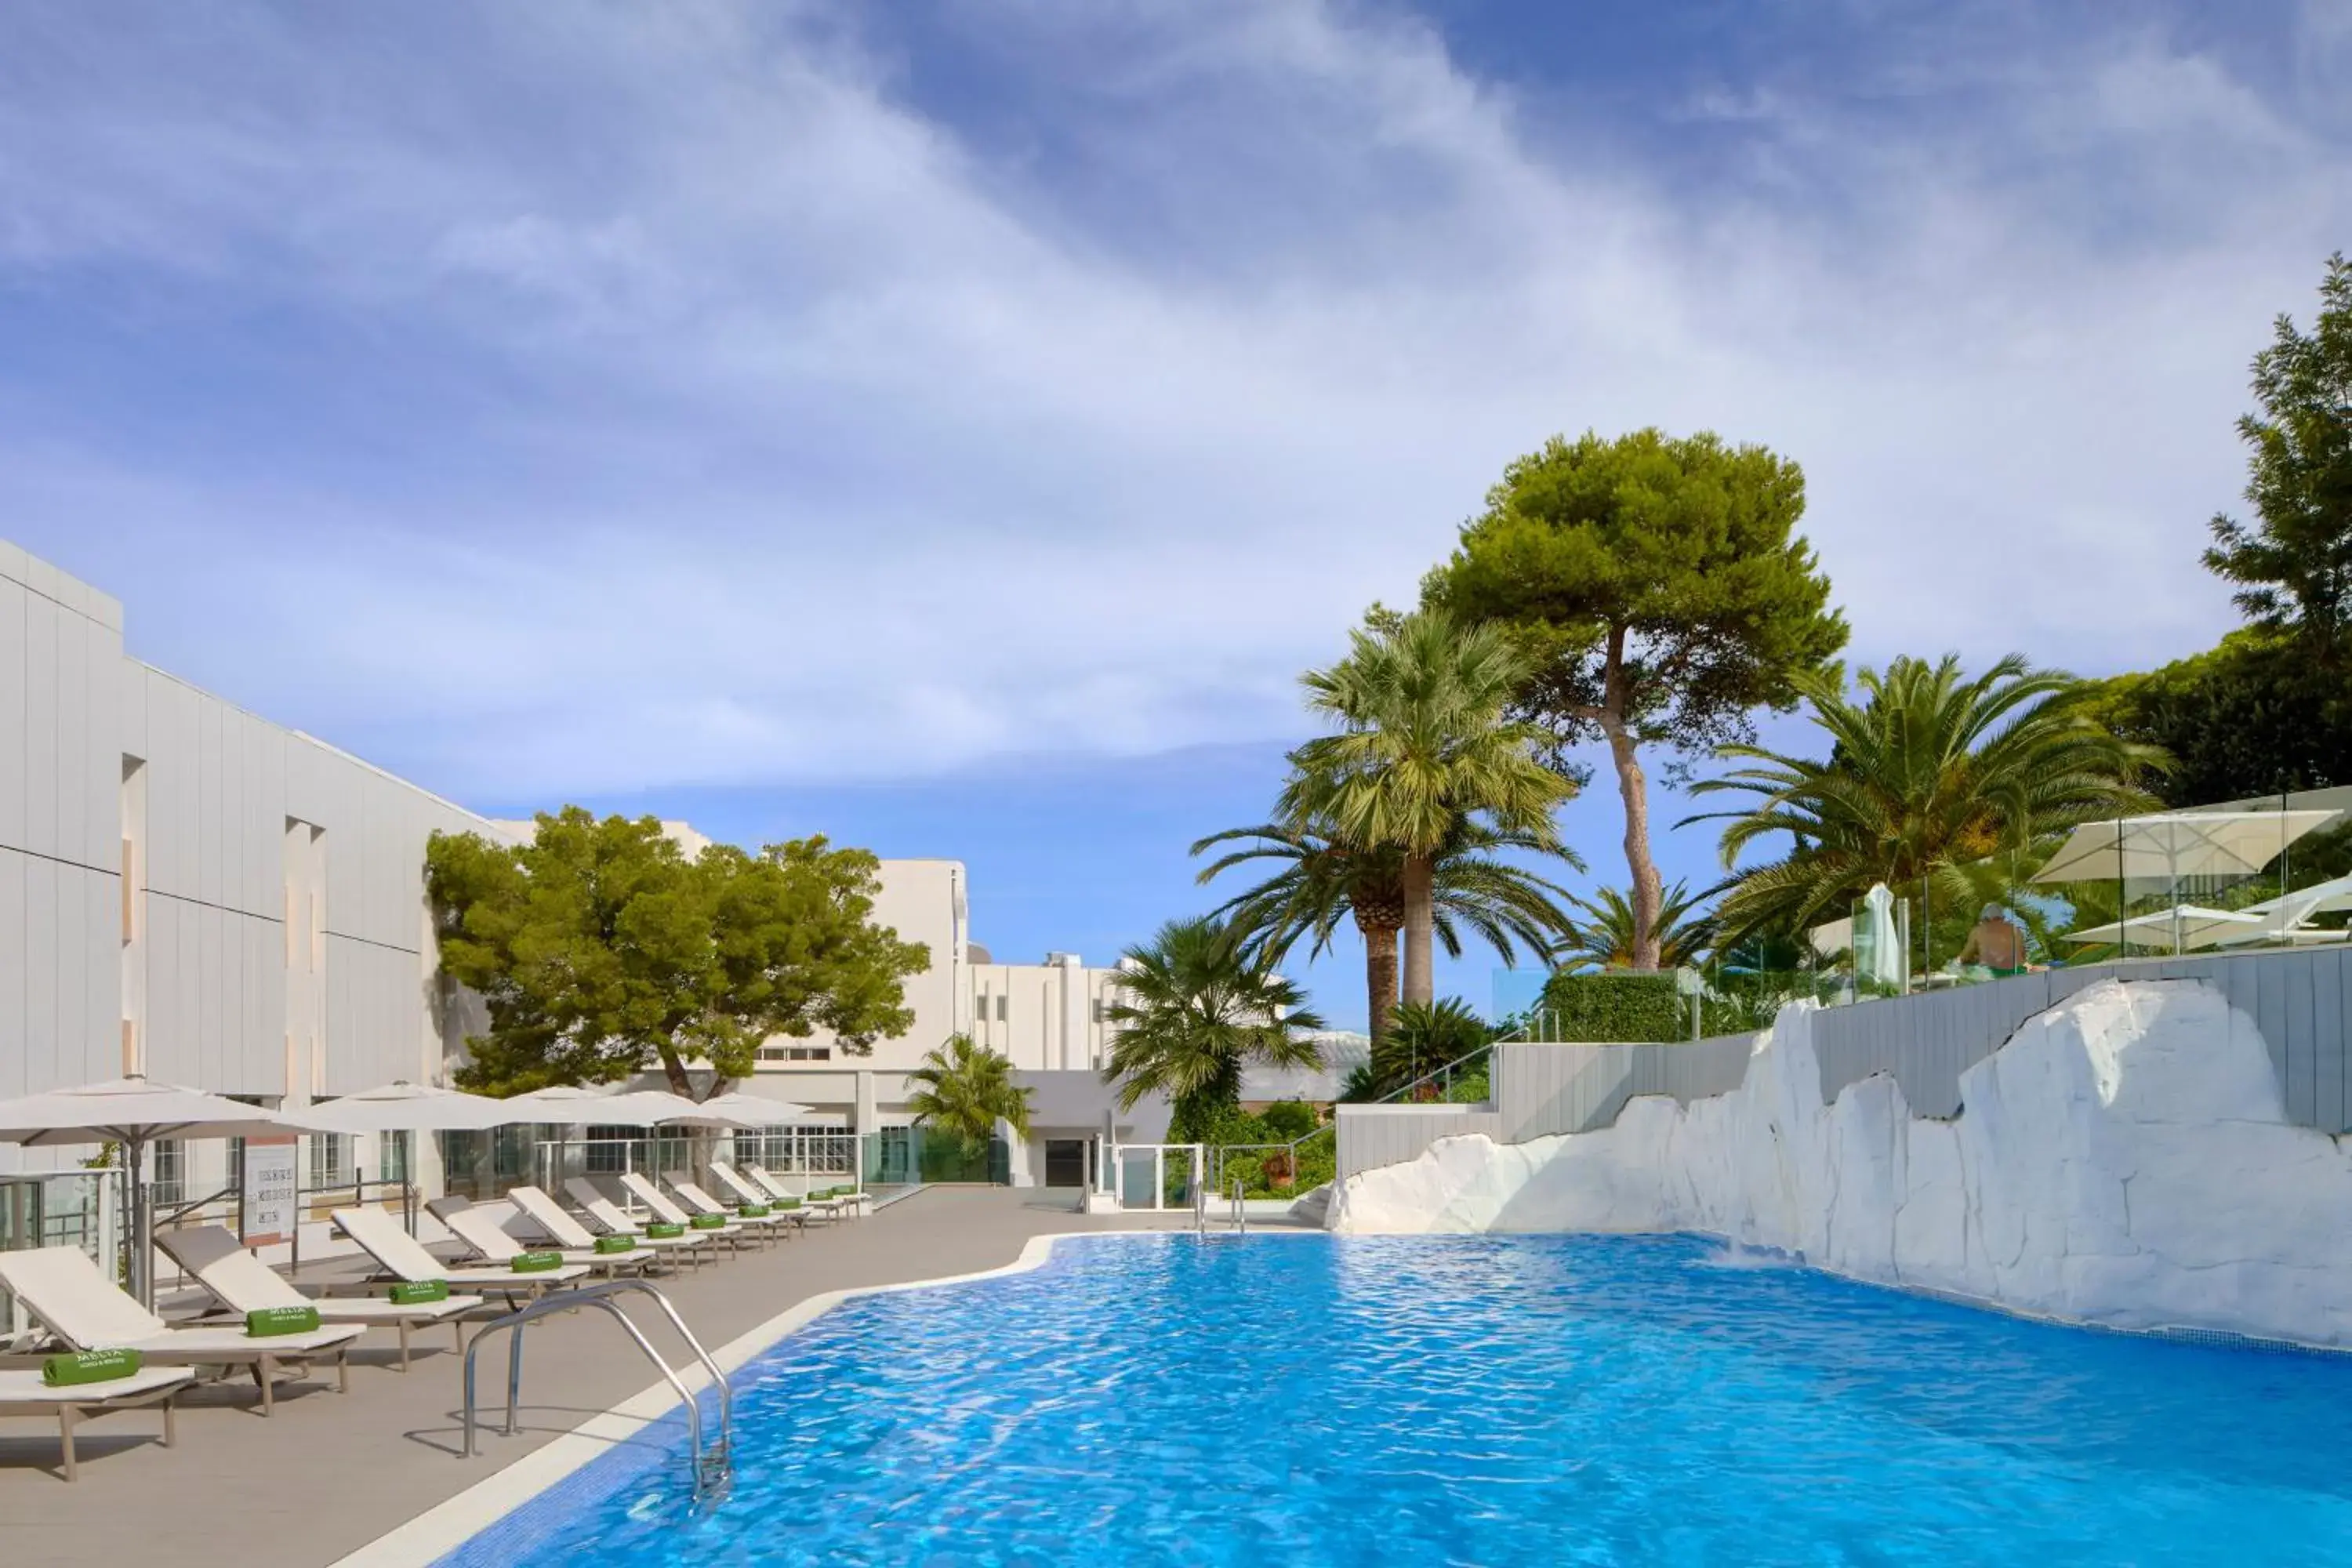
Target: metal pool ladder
x: 710, y: 1466
x: 1241, y: 1206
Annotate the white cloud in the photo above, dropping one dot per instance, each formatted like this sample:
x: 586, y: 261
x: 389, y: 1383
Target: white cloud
x: 811, y: 437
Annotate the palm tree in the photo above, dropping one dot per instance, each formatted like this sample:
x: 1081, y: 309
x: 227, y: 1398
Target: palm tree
x: 1321, y: 879
x: 1194, y: 1005
x: 1931, y: 772
x: 1604, y: 939
x: 966, y: 1089
x: 1425, y: 742
x: 1424, y: 1038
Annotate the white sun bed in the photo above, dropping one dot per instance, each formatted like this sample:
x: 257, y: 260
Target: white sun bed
x: 616, y: 1222
x: 770, y: 1225
x: 64, y: 1291
x: 750, y: 1192
x: 657, y: 1204
x: 22, y: 1393
x: 243, y: 1283
x: 480, y: 1227
x: 562, y: 1230
x: 402, y: 1257
x: 826, y: 1208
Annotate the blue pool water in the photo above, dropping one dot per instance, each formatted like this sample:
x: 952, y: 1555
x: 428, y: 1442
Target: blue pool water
x: 1522, y: 1400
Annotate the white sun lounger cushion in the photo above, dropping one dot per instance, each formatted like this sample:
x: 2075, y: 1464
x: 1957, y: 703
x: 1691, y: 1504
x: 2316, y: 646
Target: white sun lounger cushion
x: 243, y: 1283
x: 381, y: 1236
x: 64, y: 1289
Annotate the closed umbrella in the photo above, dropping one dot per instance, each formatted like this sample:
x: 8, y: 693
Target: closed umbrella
x: 1878, y: 951
x: 133, y: 1112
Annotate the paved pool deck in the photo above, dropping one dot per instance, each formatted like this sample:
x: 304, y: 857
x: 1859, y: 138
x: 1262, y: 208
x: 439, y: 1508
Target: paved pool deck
x: 330, y: 1473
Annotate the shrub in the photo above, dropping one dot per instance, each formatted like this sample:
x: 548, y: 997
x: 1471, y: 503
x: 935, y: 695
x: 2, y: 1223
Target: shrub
x: 1614, y: 1008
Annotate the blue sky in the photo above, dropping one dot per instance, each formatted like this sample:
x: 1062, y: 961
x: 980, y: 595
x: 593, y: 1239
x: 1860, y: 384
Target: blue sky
x: 952, y: 425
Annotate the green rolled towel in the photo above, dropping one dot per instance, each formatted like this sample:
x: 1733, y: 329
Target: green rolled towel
x: 616, y: 1244
x: 788, y: 1204
x: 661, y: 1230
x: 268, y: 1323
x: 752, y: 1211
x: 89, y: 1366
x: 534, y: 1262
x: 418, y: 1293
x: 709, y: 1222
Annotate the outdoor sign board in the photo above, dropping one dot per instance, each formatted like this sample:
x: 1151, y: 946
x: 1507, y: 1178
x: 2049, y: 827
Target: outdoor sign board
x: 270, y: 1190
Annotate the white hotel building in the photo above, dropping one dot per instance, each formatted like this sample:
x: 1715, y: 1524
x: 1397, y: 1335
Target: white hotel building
x: 193, y: 893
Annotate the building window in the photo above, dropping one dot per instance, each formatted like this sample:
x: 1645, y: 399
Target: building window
x: 1000, y: 1006
x: 171, y: 1171
x: 392, y: 1156
x: 331, y: 1159
x: 607, y: 1150
x: 796, y: 1053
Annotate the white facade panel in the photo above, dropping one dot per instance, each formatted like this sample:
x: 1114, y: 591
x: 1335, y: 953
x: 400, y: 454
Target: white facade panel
x: 14, y: 954
x: 71, y: 1062
x: 40, y: 975
x: 41, y: 724
x: 12, y: 714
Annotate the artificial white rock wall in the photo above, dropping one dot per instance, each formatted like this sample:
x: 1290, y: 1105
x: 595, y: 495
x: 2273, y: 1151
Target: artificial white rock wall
x: 2123, y: 1160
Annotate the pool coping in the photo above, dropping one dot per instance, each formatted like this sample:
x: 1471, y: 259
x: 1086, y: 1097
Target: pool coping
x: 451, y: 1523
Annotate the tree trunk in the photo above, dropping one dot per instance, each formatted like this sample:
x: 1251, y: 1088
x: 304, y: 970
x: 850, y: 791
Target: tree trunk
x: 1419, y: 929
x: 1649, y: 890
x: 1380, y: 975
x: 674, y: 1069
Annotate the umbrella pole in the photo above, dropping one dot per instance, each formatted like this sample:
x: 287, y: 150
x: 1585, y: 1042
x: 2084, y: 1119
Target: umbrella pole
x: 2123, y: 926
x: 143, y: 1225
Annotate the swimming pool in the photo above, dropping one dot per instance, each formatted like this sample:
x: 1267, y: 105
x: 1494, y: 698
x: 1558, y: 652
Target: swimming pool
x: 1169, y: 1399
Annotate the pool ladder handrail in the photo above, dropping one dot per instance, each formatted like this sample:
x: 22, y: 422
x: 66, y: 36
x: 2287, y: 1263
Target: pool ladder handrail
x: 708, y: 1468
x: 1240, y: 1192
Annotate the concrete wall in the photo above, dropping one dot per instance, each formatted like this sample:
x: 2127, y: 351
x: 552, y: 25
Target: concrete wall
x: 1371, y: 1136
x: 2296, y: 998
x: 189, y: 891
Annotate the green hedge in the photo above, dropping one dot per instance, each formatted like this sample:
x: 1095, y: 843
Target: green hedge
x: 1614, y: 1008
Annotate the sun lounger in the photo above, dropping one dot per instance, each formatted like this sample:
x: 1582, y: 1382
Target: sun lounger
x: 547, y: 1215
x: 22, y: 1393
x: 604, y: 1211
x: 68, y: 1296
x: 402, y: 1257
x: 823, y: 1208
x: 478, y: 1228
x: 243, y: 1283
x: 750, y: 1192
x: 657, y: 1204
x: 770, y: 1225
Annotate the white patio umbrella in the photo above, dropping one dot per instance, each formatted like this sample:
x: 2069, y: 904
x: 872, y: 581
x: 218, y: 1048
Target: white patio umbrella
x: 2177, y: 844
x: 1879, y: 952
x: 2283, y: 918
x: 405, y: 1107
x: 569, y: 1105
x: 757, y: 1109
x: 133, y: 1112
x: 2190, y: 925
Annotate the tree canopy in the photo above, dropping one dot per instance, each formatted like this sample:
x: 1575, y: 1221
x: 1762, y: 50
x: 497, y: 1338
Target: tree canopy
x: 1194, y: 1009
x: 1320, y: 879
x: 963, y: 1089
x: 600, y: 951
x: 2293, y: 564
x: 1661, y: 594
x: 1932, y: 770
x: 1425, y: 744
